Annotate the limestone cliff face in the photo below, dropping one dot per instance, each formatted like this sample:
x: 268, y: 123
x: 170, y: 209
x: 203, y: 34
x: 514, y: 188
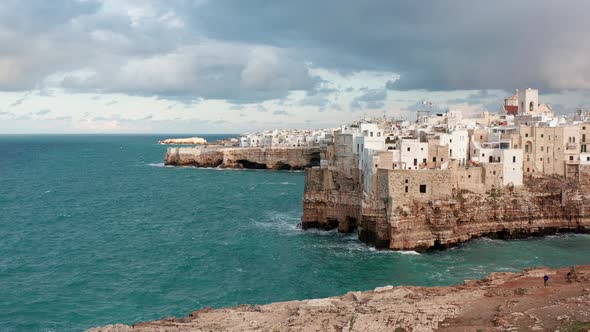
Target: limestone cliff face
x: 253, y: 158
x: 543, y: 206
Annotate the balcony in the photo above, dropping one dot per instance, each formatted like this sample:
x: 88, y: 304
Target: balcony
x: 571, y: 146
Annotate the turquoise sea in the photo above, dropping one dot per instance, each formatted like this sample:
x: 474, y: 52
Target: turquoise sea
x: 94, y: 230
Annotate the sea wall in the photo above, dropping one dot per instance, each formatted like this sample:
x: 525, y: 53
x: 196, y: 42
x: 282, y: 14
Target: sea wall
x: 428, y: 210
x: 283, y: 158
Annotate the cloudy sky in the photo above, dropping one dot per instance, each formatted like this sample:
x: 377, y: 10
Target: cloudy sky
x: 230, y: 66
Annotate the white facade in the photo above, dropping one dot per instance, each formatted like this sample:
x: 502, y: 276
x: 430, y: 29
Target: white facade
x: 458, y: 143
x: 511, y: 160
x: 413, y: 154
x: 528, y: 101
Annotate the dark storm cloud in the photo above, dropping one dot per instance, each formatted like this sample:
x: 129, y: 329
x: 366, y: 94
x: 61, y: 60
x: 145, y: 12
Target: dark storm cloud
x: 249, y: 51
x: 435, y: 45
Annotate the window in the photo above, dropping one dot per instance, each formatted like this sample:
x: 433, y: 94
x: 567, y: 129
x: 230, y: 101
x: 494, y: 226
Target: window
x: 415, y: 162
x: 406, y: 188
x: 584, y: 138
x: 531, y: 106
x: 371, y: 134
x: 406, y: 180
x: 583, y: 149
x: 526, y: 135
x: 541, y: 135
x: 469, y: 176
x: 442, y: 159
x: 450, y: 152
x: 587, y: 158
x: 540, y: 159
x: 424, y: 161
x: 494, y: 172
x: 541, y: 149
x: 378, y: 134
x: 433, y: 159
x: 513, y: 159
x: 572, y: 158
x: 423, y: 188
x: 408, y: 149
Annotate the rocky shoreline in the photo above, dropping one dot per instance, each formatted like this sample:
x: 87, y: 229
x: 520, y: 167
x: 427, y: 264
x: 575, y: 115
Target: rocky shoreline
x: 500, y: 302
x: 283, y: 158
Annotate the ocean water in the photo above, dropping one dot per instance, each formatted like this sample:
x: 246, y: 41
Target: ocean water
x: 95, y: 230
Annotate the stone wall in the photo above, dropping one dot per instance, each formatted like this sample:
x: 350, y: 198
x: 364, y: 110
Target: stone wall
x: 331, y: 200
x: 438, y: 209
x: 283, y: 158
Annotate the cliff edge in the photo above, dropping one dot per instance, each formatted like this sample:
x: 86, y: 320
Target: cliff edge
x: 500, y: 302
x: 279, y: 158
x: 398, y: 215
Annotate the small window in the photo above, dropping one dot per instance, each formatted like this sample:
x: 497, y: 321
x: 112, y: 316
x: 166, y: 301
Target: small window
x: 469, y: 176
x: 541, y: 149
x: 378, y: 134
x: 371, y: 134
x: 433, y: 159
x: 442, y: 160
x: 494, y: 172
x: 587, y: 158
x: 542, y: 135
x: 526, y: 135
x: 513, y: 159
x: 423, y: 188
x: 406, y: 188
x: 415, y: 162
x: 572, y: 158
x: 406, y: 180
x: 408, y: 149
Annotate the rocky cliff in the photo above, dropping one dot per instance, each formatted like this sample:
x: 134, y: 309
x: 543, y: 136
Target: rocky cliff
x: 292, y: 158
x: 500, y: 302
x: 543, y: 206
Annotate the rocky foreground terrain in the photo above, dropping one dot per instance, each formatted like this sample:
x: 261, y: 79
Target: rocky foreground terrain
x: 500, y: 302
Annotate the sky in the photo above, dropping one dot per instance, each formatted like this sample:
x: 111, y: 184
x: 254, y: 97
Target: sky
x: 235, y: 66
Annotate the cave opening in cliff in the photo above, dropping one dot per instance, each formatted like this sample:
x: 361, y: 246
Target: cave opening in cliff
x: 251, y: 165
